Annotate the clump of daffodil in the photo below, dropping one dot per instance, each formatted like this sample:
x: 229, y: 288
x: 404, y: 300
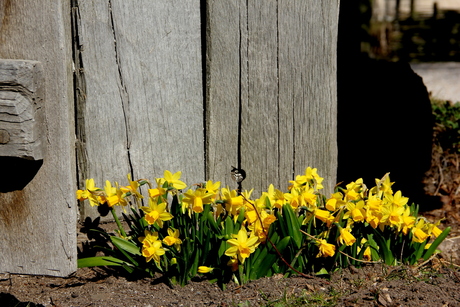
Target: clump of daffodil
x: 181, y: 230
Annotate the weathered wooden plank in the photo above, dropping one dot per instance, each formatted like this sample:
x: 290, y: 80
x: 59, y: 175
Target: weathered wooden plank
x: 38, y: 222
x: 225, y: 44
x: 273, y: 61
x: 143, y: 108
x: 260, y: 146
x: 307, y: 63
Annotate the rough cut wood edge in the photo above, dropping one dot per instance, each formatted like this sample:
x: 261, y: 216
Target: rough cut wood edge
x: 22, y: 110
x: 38, y: 223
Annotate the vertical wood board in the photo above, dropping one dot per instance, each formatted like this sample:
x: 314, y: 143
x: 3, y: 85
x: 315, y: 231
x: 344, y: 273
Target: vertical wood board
x: 282, y: 80
x: 143, y: 112
x: 225, y: 44
x: 38, y: 223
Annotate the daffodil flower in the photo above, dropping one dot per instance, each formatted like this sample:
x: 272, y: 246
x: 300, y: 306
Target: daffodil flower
x: 196, y: 199
x: 397, y: 199
x: 156, y: 213
x: 418, y: 232
x: 355, y: 211
x: 205, y: 269
x: 346, y: 237
x: 325, y: 249
x: 241, y: 245
x: 151, y: 247
x: 173, y: 180
x: 91, y: 193
x: 173, y: 239
x: 114, y: 195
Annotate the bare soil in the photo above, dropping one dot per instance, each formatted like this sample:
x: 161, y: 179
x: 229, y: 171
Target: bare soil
x: 434, y: 283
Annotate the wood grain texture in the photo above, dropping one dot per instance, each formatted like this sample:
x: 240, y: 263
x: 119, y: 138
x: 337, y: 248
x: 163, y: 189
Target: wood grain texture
x: 273, y: 62
x: 38, y: 223
x: 22, y: 126
x: 143, y: 104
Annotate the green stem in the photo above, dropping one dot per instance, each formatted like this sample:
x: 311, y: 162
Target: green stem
x: 122, y: 231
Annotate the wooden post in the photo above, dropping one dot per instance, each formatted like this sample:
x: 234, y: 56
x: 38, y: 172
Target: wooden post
x: 38, y: 216
x: 271, y: 106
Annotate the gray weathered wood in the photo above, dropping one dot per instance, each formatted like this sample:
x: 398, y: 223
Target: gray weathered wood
x: 22, y: 125
x: 38, y: 223
x: 142, y: 103
x: 275, y: 62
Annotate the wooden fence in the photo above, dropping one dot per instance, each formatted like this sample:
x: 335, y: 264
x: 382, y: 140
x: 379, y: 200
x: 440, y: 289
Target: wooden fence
x: 144, y: 86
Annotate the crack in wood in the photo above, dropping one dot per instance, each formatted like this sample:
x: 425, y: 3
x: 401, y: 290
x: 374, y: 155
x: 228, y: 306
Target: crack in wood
x: 124, y: 96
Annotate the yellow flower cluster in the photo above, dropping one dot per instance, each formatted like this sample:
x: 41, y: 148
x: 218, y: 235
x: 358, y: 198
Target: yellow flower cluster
x: 378, y: 208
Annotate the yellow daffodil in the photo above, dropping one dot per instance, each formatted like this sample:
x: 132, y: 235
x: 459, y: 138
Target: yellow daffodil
x: 196, y: 199
x: 325, y: 249
x: 173, y: 238
x: 418, y: 232
x: 355, y: 211
x: 335, y: 202
x: 114, y: 195
x: 324, y: 216
x: 156, y: 213
x: 262, y: 225
x: 407, y: 222
x: 346, y: 237
x: 132, y: 188
x: 91, y: 193
x: 204, y: 269
x: 151, y: 247
x: 392, y: 215
x: 397, y: 199
x: 294, y: 198
x: 354, y: 190
x: 241, y: 245
x: 212, y: 188
x: 173, y: 180
x: 233, y: 201
x: 233, y: 263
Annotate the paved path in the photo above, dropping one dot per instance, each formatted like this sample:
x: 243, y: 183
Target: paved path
x: 441, y: 79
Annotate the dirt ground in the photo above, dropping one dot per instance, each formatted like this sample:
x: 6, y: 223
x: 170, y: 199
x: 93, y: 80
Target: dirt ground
x: 435, y: 283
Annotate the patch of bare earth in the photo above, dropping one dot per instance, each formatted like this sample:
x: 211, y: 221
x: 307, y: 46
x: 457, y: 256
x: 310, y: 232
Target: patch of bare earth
x: 373, y: 285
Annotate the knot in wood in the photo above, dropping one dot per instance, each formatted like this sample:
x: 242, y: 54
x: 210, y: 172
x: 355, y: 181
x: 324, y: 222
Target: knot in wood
x: 4, y: 136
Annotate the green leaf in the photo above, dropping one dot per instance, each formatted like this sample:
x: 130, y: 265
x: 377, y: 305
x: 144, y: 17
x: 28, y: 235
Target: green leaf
x: 384, y: 248
x: 125, y: 245
x: 374, y: 247
x: 323, y: 271
x: 271, y: 258
x: 99, y: 261
x: 435, y: 244
x: 293, y: 225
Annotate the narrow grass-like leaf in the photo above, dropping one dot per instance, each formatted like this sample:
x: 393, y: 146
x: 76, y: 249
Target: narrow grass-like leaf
x: 126, y: 245
x: 99, y: 261
x: 293, y: 225
x: 436, y: 243
x: 271, y: 258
